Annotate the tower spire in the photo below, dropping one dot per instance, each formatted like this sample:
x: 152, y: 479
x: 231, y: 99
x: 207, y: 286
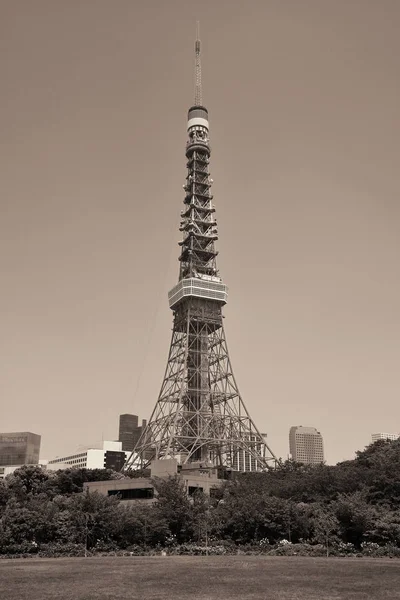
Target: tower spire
x: 197, y: 72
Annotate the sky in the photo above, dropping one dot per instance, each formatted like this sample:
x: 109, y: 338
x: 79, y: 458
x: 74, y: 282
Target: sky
x: 303, y: 98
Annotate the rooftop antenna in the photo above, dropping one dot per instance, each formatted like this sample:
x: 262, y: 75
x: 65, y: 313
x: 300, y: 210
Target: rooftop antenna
x: 197, y: 93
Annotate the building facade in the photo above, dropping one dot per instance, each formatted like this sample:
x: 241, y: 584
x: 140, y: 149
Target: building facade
x: 194, y: 477
x: 306, y: 445
x: 384, y: 436
x: 130, y: 431
x: 19, y: 448
x: 110, y: 456
x: 4, y: 471
x: 127, y: 424
x: 246, y: 459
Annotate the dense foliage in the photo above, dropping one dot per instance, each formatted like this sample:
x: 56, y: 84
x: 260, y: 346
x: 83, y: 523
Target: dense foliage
x: 355, y: 504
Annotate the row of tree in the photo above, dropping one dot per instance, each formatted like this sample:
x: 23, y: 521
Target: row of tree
x: 354, y: 502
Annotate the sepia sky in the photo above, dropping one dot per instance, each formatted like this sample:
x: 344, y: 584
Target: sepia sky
x: 304, y: 98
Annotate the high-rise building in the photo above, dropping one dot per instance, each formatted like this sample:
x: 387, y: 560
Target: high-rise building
x: 127, y: 425
x: 306, y: 445
x: 200, y: 417
x: 19, y: 448
x: 245, y: 461
x: 130, y: 431
x: 384, y: 436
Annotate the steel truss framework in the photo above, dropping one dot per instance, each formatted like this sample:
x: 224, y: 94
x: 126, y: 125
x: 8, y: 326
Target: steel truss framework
x: 199, y: 415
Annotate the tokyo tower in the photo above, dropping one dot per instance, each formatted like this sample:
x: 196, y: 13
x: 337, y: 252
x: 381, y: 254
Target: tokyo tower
x: 200, y: 416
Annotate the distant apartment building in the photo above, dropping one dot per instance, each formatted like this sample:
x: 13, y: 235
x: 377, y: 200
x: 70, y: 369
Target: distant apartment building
x: 130, y: 431
x: 384, y: 436
x: 245, y: 461
x: 109, y: 456
x: 306, y: 445
x: 19, y: 448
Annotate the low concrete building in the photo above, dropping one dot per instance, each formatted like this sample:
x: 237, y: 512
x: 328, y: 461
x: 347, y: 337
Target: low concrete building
x: 4, y: 471
x: 195, y: 477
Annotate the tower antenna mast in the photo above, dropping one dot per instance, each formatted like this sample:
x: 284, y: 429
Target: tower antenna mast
x: 197, y: 73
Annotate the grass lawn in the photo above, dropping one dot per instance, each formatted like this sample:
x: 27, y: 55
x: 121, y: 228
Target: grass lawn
x: 199, y: 578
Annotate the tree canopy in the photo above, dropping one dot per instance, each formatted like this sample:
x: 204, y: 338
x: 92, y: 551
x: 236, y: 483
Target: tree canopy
x: 354, y: 502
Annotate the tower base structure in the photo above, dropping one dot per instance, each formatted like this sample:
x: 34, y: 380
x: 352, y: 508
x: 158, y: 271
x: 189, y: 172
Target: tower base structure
x: 200, y: 416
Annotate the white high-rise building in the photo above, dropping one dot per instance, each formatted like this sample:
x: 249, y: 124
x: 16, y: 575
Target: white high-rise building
x: 384, y: 436
x: 306, y: 445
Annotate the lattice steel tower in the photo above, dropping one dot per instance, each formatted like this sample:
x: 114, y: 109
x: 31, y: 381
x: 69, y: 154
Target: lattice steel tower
x: 199, y: 416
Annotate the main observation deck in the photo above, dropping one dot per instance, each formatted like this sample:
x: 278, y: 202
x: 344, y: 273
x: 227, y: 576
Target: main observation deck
x: 200, y: 288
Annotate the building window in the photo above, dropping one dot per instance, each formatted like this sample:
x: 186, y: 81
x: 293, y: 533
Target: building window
x: 193, y: 489
x: 133, y: 494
